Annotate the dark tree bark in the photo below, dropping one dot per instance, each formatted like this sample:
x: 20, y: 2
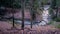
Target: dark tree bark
x: 22, y: 7
x: 13, y: 18
x: 32, y: 12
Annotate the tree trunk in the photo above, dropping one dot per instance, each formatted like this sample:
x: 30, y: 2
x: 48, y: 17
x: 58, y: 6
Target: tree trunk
x: 23, y: 4
x: 32, y: 12
x: 13, y: 20
x: 56, y: 12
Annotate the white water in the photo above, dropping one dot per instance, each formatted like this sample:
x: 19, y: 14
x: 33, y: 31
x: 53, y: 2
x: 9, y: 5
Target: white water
x: 45, y: 15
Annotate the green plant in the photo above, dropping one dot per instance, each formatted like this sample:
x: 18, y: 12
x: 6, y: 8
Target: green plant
x: 51, y: 22
x: 58, y: 26
x: 57, y: 19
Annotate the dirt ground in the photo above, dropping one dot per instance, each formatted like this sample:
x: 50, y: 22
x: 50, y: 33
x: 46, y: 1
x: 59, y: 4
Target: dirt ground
x: 6, y: 28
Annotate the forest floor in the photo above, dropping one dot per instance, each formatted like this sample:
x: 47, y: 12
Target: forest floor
x: 5, y: 28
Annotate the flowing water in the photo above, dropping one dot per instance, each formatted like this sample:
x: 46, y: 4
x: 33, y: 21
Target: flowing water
x: 45, y: 16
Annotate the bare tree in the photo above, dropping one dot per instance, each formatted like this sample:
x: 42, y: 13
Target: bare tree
x: 22, y: 7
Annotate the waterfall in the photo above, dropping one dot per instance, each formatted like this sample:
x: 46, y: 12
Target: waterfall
x: 45, y: 15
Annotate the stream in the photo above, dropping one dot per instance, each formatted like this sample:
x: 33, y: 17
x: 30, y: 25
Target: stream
x: 45, y: 16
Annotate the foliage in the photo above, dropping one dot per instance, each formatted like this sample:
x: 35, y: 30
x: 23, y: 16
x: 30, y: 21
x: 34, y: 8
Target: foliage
x: 58, y: 26
x: 45, y: 1
x: 57, y: 19
x: 50, y: 10
x: 53, y: 4
x: 6, y: 3
x: 17, y: 4
x: 36, y: 4
x: 58, y: 3
x: 51, y: 22
x: 10, y: 3
x: 52, y: 13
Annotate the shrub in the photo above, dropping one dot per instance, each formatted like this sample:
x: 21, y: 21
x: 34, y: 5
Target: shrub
x: 51, y: 22
x: 57, y: 19
x: 58, y: 26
